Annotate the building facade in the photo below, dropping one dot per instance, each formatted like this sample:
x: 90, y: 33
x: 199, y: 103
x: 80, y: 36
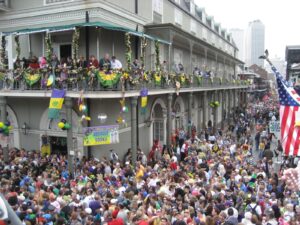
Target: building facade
x: 255, y: 43
x: 184, y: 34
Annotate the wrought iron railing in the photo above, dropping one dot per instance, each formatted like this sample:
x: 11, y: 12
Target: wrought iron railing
x: 95, y: 80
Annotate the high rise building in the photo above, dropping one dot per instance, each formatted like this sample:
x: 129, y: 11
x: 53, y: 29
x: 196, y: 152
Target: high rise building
x: 238, y: 36
x: 255, y: 43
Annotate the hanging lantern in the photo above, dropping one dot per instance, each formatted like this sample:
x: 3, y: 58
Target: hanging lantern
x: 102, y: 117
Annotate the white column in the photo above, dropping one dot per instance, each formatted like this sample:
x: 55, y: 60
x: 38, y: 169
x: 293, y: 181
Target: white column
x: 10, y: 51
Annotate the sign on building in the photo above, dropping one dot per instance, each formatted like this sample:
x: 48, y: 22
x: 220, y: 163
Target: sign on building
x: 102, y: 135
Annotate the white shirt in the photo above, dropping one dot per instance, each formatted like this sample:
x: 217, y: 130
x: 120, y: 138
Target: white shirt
x: 116, y: 64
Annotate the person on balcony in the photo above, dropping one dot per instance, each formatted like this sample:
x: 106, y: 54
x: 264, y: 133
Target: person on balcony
x: 135, y: 65
x: 34, y: 64
x: 93, y: 62
x: 82, y: 62
x: 104, y: 63
x: 196, y: 71
x: 115, y: 63
x: 54, y: 62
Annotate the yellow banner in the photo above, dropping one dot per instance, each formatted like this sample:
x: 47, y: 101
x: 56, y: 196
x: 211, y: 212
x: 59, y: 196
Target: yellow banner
x: 144, y: 101
x: 56, y: 103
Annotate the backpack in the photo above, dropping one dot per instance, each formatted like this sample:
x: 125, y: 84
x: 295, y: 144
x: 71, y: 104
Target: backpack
x: 253, y: 210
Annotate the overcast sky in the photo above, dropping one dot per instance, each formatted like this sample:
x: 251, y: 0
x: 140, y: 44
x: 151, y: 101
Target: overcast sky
x: 280, y: 17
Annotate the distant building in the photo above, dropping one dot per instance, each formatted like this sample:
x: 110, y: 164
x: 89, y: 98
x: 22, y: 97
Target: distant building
x: 279, y: 64
x: 292, y: 57
x: 238, y: 36
x: 255, y: 43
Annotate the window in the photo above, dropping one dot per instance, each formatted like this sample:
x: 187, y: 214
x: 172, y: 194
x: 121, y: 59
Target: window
x: 178, y: 56
x: 158, y: 6
x: 178, y: 16
x: 192, y: 8
x: 193, y: 27
x: 48, y: 2
x: 158, y: 130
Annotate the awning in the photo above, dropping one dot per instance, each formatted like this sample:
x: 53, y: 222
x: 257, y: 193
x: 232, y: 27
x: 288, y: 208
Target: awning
x: 90, y: 24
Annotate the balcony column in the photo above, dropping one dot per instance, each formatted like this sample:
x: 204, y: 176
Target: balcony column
x: 215, y: 112
x: 3, y: 104
x: 171, y: 52
x: 223, y: 105
x: 205, y: 109
x: 133, y: 102
x: 205, y: 52
x: 191, y: 56
x: 229, y: 102
x: 169, y: 120
x: 190, y: 113
x: 69, y: 105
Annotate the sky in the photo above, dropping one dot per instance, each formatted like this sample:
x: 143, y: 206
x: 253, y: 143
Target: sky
x: 280, y: 17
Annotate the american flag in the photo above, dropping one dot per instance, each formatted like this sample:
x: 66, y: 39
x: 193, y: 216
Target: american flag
x: 289, y: 115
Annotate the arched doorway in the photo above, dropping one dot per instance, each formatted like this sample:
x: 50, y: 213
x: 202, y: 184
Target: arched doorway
x: 179, y: 114
x: 56, y: 137
x: 159, y: 122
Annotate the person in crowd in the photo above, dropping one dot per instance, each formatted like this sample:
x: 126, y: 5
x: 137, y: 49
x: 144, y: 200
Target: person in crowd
x: 135, y: 65
x: 205, y: 186
x: 115, y: 63
x: 105, y: 63
x: 34, y: 64
x: 82, y: 63
x: 93, y: 62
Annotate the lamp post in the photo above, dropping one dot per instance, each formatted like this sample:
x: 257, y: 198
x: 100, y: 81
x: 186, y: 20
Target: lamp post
x: 69, y: 104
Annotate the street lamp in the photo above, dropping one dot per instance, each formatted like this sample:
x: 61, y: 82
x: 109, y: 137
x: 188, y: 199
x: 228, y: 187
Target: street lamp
x: 24, y: 128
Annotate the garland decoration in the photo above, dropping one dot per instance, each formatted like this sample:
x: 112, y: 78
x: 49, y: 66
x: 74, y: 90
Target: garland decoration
x: 128, y: 51
x: 18, y: 48
x: 49, y: 49
x: 3, y: 52
x: 157, y: 61
x: 143, y: 48
x: 75, y: 45
x: 214, y: 104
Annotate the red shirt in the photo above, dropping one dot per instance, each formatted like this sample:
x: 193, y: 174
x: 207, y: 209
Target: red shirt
x: 34, y: 65
x: 173, y: 165
x: 117, y: 221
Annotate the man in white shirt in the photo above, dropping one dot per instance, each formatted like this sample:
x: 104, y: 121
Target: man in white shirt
x: 115, y: 63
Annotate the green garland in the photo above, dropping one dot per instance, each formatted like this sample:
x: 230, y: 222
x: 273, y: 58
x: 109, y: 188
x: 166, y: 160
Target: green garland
x: 143, y: 47
x: 18, y: 48
x: 49, y: 49
x: 3, y: 52
x: 128, y: 51
x: 75, y: 45
x: 157, y: 61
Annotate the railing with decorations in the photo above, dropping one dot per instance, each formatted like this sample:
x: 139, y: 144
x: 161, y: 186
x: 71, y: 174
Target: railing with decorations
x: 96, y: 80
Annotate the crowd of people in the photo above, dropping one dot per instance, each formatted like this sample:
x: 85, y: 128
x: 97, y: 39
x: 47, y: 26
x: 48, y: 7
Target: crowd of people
x: 210, y: 177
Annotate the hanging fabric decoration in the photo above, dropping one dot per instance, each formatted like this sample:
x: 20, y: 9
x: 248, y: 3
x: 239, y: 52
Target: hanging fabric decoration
x: 56, y: 103
x: 144, y: 100
x: 108, y: 80
x: 31, y: 79
x: 83, y: 108
x: 5, y: 128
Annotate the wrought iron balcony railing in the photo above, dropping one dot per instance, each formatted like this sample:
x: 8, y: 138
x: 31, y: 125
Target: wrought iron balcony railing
x: 95, y: 80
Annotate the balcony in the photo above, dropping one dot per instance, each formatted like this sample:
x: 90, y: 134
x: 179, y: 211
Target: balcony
x: 113, y: 84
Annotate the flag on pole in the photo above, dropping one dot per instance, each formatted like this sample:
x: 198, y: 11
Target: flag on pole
x: 56, y: 103
x: 289, y: 116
